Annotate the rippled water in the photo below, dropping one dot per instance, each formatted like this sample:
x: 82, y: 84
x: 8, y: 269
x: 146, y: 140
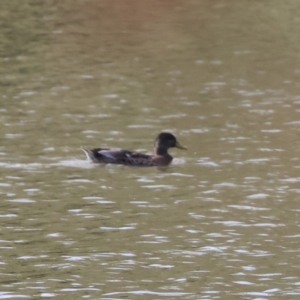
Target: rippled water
x: 222, y: 222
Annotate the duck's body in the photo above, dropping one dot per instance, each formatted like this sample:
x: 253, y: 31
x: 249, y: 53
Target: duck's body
x: 161, y: 157
x: 125, y: 157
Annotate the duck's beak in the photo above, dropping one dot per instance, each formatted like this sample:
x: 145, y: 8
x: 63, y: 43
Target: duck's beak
x: 177, y: 145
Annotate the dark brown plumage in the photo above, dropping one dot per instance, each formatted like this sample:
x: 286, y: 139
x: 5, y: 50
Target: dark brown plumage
x: 160, y: 157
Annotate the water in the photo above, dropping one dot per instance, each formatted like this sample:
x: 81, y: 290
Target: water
x: 222, y: 222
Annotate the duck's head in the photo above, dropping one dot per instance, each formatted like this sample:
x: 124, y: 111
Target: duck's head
x: 166, y: 140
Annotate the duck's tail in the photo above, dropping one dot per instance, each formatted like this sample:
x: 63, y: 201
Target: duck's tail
x: 89, y: 154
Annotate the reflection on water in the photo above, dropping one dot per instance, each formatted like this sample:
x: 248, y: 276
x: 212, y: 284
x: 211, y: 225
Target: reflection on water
x: 221, y: 222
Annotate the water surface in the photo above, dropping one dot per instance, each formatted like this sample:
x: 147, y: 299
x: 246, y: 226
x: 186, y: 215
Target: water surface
x: 222, y: 222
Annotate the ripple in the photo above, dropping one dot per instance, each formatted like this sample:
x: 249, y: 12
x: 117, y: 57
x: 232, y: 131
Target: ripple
x: 75, y: 163
x: 8, y: 216
x: 47, y: 295
x: 247, y: 207
x: 75, y: 258
x: 181, y: 175
x: 258, y: 196
x: 111, y: 96
x: 257, y: 160
x: 140, y: 126
x: 270, y: 150
x: 197, y: 130
x: 10, y: 295
x: 243, y: 282
x: 271, y: 130
x: 207, y: 163
x: 79, y: 289
x: 225, y: 184
x: 178, y: 161
x: 160, y: 266
x: 145, y: 179
x: 107, y: 228
x: 160, y: 186
x: 21, y: 200
x: 30, y: 166
x: 242, y: 224
x: 13, y: 135
x: 173, y: 116
x: 78, y: 180
x: 147, y: 292
x: 295, y: 179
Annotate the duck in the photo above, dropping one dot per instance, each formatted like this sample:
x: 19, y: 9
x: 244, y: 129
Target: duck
x: 160, y: 156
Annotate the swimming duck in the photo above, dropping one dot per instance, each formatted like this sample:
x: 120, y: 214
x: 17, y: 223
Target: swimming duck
x: 160, y: 157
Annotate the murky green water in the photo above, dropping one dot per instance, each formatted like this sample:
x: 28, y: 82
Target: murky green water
x: 222, y: 222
